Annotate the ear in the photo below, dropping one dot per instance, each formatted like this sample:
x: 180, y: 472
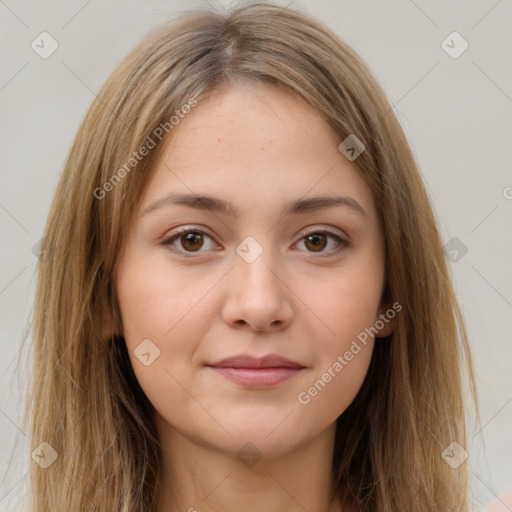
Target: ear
x: 385, y: 322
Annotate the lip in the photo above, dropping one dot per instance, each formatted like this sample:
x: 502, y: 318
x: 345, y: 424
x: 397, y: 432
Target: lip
x: 251, y: 371
x: 248, y: 361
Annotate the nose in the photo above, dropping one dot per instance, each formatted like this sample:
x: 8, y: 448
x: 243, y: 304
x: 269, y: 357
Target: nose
x: 257, y: 296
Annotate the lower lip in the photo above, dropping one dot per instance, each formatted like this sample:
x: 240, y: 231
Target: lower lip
x: 257, y: 377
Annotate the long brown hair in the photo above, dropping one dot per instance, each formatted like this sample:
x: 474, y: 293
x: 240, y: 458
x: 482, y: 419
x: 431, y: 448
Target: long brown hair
x: 84, y: 400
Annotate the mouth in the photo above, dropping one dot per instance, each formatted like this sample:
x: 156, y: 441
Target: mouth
x: 250, y: 371
x: 257, y: 377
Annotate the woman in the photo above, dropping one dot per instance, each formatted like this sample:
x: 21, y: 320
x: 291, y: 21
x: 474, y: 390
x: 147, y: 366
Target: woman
x: 247, y: 306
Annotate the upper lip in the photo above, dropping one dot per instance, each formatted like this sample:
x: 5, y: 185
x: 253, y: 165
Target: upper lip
x: 248, y: 361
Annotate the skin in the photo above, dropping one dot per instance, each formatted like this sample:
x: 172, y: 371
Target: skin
x: 255, y: 147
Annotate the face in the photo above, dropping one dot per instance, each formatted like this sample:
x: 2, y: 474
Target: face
x: 249, y: 275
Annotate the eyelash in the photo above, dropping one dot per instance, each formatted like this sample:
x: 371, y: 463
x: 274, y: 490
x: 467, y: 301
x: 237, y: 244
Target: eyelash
x: 343, y: 244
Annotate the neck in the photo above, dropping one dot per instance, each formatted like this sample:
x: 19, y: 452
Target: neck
x: 197, y: 478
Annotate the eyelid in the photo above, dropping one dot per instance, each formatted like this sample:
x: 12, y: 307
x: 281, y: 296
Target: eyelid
x: 316, y: 228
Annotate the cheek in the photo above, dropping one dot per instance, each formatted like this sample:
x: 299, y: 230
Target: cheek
x: 348, y: 303
x: 348, y: 307
x: 154, y: 302
x: 334, y: 387
x: 344, y: 350
x: 151, y: 310
x: 169, y: 309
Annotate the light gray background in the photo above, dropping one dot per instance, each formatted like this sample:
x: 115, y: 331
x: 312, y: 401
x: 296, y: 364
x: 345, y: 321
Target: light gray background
x: 456, y: 113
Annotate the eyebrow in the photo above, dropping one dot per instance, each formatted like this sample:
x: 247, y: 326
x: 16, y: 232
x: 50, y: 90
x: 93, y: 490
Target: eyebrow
x: 205, y: 202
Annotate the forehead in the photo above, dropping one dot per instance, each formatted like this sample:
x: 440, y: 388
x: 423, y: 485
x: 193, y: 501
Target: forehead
x: 251, y: 117
x: 253, y: 145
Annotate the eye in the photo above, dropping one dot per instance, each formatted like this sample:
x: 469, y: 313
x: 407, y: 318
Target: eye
x: 191, y: 241
x: 317, y: 241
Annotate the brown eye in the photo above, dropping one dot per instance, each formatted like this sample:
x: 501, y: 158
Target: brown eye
x: 192, y: 241
x: 316, y: 242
